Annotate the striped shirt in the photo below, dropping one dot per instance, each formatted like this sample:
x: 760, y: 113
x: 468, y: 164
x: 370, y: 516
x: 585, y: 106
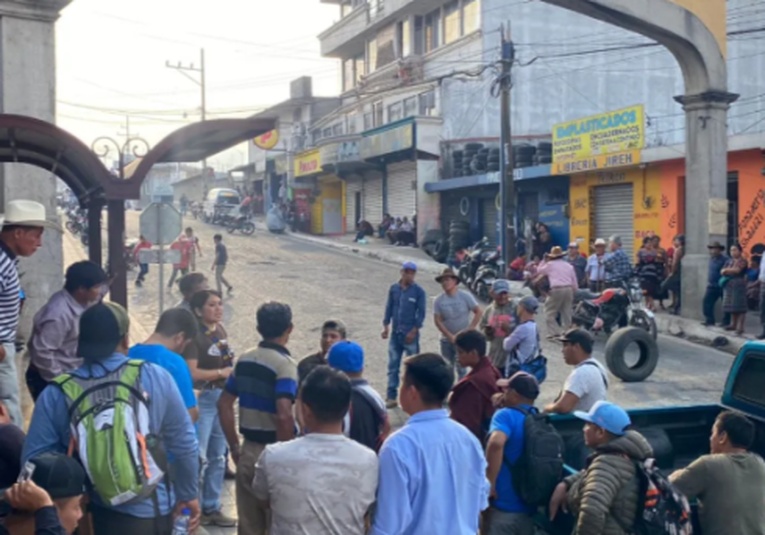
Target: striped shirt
x: 261, y: 376
x: 10, y: 291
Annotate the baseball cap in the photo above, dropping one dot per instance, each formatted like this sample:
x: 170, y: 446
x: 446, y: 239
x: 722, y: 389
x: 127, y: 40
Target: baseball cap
x: 346, y: 356
x: 530, y: 303
x: 600, y: 241
x: 102, y: 327
x: 608, y: 416
x: 501, y: 286
x: 60, y: 475
x: 409, y: 265
x: 523, y: 383
x: 578, y: 336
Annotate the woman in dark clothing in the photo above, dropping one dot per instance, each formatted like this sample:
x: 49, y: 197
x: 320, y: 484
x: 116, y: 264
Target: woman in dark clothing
x: 673, y: 282
x: 542, y: 240
x: 650, y: 271
x: 364, y: 229
x: 734, y: 289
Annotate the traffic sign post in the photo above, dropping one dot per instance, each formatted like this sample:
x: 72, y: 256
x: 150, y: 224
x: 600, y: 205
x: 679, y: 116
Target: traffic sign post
x: 161, y: 223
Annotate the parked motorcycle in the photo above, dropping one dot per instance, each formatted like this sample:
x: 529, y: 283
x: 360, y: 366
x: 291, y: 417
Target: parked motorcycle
x: 242, y: 224
x: 491, y: 268
x: 604, y: 311
x: 472, y: 259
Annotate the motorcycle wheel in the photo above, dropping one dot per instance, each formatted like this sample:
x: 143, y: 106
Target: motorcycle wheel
x: 231, y: 228
x: 71, y: 227
x: 462, y: 273
x: 483, y: 290
x: 248, y: 227
x: 641, y: 320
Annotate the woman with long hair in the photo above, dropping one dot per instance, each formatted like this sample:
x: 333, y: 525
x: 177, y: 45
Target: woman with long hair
x: 211, y: 361
x: 733, y: 281
x: 650, y: 271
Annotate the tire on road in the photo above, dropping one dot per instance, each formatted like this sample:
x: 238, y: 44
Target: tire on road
x: 616, y: 346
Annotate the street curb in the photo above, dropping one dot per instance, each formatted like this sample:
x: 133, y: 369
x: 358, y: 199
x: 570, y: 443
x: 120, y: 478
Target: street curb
x: 426, y: 266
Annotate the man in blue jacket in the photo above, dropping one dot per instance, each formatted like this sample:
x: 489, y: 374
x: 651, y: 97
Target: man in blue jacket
x: 103, y: 344
x: 405, y: 309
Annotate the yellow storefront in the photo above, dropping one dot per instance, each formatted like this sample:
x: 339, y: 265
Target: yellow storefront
x: 627, y: 202
x: 328, y: 195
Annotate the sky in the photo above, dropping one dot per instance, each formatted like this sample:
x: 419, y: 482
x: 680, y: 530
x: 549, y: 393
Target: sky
x: 111, y: 63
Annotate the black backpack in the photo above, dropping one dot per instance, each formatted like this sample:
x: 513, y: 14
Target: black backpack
x: 662, y: 509
x: 540, y: 467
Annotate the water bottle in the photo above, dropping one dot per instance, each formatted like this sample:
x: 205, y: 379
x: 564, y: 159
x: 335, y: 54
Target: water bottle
x: 182, y: 522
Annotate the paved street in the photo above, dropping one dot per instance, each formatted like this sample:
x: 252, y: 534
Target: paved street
x: 321, y: 283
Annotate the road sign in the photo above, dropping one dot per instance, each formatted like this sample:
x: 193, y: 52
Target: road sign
x: 160, y: 223
x: 156, y: 256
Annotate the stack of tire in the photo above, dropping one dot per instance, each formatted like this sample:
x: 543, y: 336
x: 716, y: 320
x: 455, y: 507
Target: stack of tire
x: 435, y: 245
x: 468, y: 158
x: 523, y: 155
x: 459, y: 237
x: 543, y: 154
x: 458, y: 163
x: 492, y: 160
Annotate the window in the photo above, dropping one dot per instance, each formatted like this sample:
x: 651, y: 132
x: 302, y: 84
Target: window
x: 316, y: 136
x: 410, y: 107
x: 471, y: 15
x: 428, y: 103
x: 404, y: 39
x: 372, y: 55
x: 386, y: 46
x: 345, y: 9
x: 360, y: 68
x: 419, y: 39
x: 349, y: 75
x: 432, y: 31
x: 376, y: 7
x: 337, y: 129
x: 327, y: 132
x: 351, y: 120
x: 377, y: 109
x: 395, y: 112
x: 452, y: 23
x: 369, y: 121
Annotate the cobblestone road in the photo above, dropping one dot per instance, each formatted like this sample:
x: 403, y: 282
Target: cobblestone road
x: 321, y: 283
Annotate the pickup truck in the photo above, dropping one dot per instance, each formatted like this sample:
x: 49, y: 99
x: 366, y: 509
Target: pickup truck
x: 678, y: 435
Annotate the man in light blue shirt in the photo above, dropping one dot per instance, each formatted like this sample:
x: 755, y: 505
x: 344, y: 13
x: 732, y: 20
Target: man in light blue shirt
x: 432, y: 470
x: 103, y: 344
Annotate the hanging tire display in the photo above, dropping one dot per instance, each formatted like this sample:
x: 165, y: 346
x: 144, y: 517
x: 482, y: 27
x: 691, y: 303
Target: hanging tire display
x: 464, y: 206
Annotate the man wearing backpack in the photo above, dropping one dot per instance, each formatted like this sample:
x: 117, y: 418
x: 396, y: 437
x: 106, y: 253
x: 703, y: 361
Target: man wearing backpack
x: 135, y: 498
x: 508, y: 513
x: 604, y: 497
x: 587, y: 383
x: 730, y: 482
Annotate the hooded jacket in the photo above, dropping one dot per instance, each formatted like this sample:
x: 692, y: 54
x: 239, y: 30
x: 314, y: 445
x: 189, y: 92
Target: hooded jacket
x: 604, y: 496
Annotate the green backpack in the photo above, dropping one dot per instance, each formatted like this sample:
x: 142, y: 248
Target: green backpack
x: 109, y: 419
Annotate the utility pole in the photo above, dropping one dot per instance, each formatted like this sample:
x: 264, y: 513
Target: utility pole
x: 506, y: 160
x: 202, y: 83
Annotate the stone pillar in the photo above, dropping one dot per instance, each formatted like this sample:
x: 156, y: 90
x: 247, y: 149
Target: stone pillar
x: 706, y: 203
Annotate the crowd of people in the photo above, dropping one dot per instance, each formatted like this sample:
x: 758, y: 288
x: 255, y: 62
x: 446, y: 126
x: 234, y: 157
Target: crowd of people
x: 400, y: 231
x: 143, y: 433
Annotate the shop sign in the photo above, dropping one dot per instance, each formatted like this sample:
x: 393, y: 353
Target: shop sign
x: 388, y: 141
x: 347, y: 151
x: 267, y: 141
x: 612, y: 139
x: 308, y: 163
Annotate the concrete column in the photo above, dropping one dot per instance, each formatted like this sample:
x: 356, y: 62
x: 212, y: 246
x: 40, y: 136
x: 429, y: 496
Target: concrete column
x: 28, y: 82
x: 706, y: 203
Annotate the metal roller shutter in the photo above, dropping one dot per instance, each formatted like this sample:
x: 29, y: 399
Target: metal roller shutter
x: 352, y: 187
x: 614, y: 214
x: 402, y: 189
x: 490, y: 215
x: 372, y: 195
x: 450, y: 209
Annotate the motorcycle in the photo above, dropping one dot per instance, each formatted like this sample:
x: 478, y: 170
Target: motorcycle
x: 604, y: 311
x: 242, y: 224
x: 489, y: 271
x: 472, y: 259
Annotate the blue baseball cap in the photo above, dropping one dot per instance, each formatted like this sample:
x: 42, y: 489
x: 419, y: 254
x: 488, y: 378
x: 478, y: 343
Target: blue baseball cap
x: 610, y: 417
x: 501, y: 286
x: 411, y: 266
x: 346, y: 356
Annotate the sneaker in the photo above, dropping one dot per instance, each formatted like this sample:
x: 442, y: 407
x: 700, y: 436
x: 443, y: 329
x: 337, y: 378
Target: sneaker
x: 217, y: 518
x: 391, y: 403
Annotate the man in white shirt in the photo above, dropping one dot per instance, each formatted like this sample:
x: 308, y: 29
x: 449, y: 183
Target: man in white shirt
x: 587, y: 383
x: 595, y: 271
x: 322, y: 483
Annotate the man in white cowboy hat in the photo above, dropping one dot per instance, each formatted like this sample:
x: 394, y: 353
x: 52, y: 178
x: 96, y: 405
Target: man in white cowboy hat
x: 21, y: 235
x: 563, y: 283
x: 596, y: 272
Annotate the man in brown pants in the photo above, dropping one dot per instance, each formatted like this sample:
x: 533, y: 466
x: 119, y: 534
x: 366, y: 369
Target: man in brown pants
x: 563, y: 283
x: 265, y: 381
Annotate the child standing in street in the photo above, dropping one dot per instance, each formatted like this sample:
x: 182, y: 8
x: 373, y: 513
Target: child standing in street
x: 143, y: 243
x: 219, y: 264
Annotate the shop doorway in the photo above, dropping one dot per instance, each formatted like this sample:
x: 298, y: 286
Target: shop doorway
x: 614, y: 207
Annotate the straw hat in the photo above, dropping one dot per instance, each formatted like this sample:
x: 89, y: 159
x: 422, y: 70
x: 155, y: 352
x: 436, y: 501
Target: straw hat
x: 555, y: 253
x: 27, y: 214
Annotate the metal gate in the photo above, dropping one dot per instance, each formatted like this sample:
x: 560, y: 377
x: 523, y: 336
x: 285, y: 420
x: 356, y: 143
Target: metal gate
x: 372, y: 188
x: 402, y: 189
x: 614, y: 214
x: 352, y: 187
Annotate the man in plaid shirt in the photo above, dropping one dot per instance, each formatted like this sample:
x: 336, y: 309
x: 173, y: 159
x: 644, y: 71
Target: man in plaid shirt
x: 617, y: 263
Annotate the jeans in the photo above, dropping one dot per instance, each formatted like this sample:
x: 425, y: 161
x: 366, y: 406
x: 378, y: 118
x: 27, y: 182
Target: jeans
x: 711, y: 296
x: 449, y: 352
x: 9, y: 384
x: 212, y: 450
x: 397, y: 346
x: 182, y: 271
x: 502, y: 523
x: 253, y: 517
x: 220, y: 280
x: 143, y: 271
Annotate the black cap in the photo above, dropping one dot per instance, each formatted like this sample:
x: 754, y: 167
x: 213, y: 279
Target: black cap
x: 11, y: 445
x: 524, y: 383
x: 102, y: 327
x: 578, y: 336
x: 59, y: 475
